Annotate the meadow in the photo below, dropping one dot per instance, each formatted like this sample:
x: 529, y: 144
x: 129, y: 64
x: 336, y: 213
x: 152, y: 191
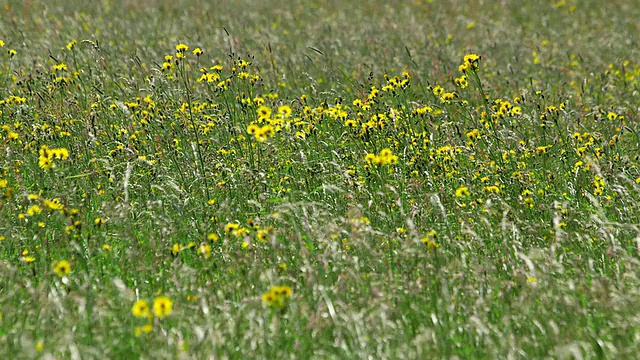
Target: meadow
x: 319, y: 179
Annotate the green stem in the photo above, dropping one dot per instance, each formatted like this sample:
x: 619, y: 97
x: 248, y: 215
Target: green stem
x: 185, y: 80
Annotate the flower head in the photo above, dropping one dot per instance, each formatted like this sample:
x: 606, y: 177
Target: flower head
x: 141, y: 309
x: 62, y: 268
x: 470, y: 62
x: 71, y: 44
x: 462, y: 192
x: 181, y: 48
x: 162, y: 306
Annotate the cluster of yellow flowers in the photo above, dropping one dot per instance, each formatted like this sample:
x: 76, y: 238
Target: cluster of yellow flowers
x: 162, y: 306
x: 261, y: 133
x: 385, y: 157
x: 47, y: 155
x: 430, y: 240
x: 277, y: 297
x: 470, y: 62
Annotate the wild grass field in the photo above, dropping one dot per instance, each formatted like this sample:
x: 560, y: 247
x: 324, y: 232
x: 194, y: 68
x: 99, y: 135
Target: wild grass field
x: 319, y: 179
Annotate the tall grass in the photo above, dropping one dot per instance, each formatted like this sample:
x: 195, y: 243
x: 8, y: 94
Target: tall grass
x: 319, y: 180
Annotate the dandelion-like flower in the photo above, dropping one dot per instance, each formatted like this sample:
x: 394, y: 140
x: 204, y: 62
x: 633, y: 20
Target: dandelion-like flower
x: 162, y: 306
x: 145, y: 329
x: 62, y: 268
x: 141, y: 309
x: 71, y: 44
x: 462, y: 192
x: 181, y: 48
x: 447, y: 97
x: 462, y: 81
x: 437, y: 90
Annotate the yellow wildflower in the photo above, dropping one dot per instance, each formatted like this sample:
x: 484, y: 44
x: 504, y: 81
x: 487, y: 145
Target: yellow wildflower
x: 162, y: 306
x: 62, y: 268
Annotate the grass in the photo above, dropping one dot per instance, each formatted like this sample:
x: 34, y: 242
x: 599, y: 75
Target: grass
x: 322, y: 181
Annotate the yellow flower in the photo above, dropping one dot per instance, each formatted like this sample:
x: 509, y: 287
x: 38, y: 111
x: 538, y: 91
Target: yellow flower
x: 71, y: 44
x: 60, y: 153
x: 243, y: 64
x: 145, y: 329
x: 429, y: 240
x: 492, y: 189
x: 370, y: 158
x: 350, y: 123
x: 277, y: 297
x: 264, y: 133
x: 385, y: 153
x: 283, y: 291
x: 167, y: 65
x: 181, y: 48
x: 60, y: 67
x: 47, y: 155
x: 197, y: 51
x: 27, y: 259
x: 470, y: 62
x: 175, y: 249
x: 33, y: 210
x: 284, y: 111
x: 462, y: 192
x: 141, y: 309
x: 253, y: 129
x: 268, y: 298
x: 62, y: 268
x: 462, y: 81
x: 205, y: 250
x: 162, y: 306
x: 263, y: 233
x: 230, y: 227
x: 447, y: 97
x: 264, y: 112
x: 53, y: 204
